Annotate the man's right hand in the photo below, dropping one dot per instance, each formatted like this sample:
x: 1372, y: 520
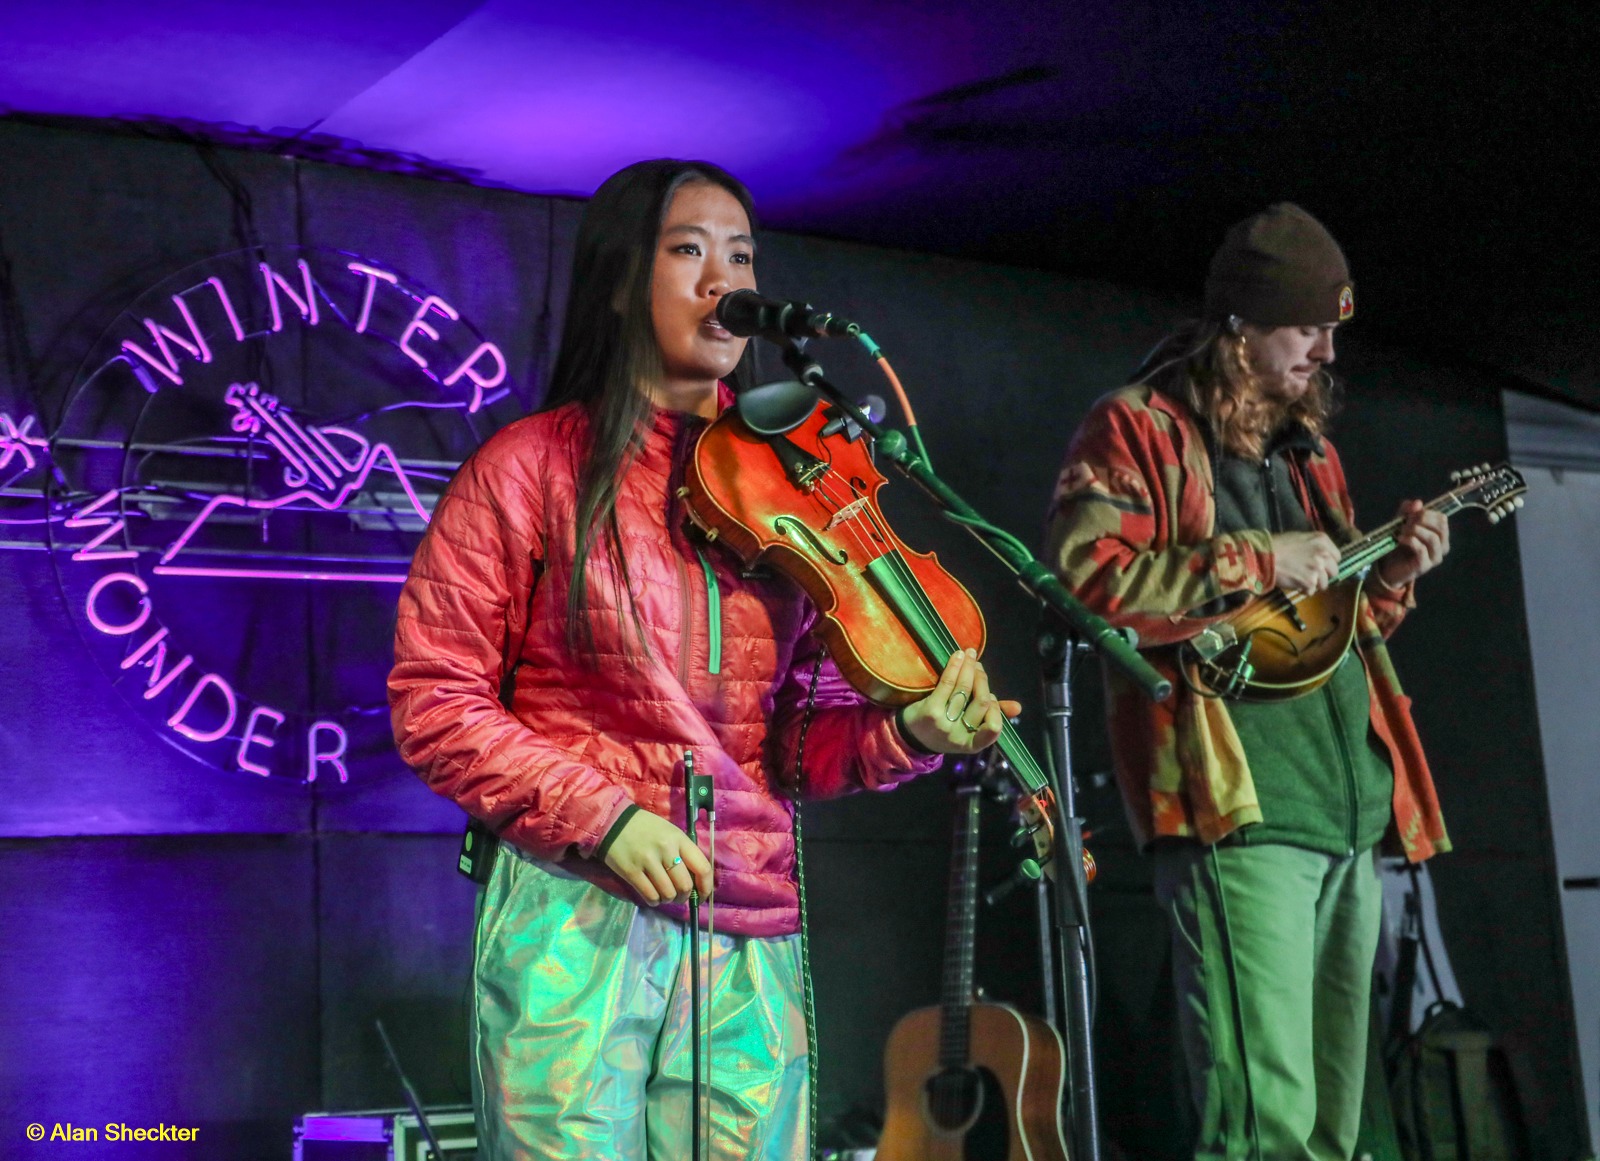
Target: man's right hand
x: 1306, y: 561
x: 658, y: 861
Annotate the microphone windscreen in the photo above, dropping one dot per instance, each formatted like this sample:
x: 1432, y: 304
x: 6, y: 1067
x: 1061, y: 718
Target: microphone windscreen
x: 742, y: 312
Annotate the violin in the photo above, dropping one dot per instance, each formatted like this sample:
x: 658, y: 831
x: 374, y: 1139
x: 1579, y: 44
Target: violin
x: 784, y: 478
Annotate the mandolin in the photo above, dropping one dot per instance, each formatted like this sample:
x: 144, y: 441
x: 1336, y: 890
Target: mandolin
x: 969, y: 1080
x: 1286, y: 643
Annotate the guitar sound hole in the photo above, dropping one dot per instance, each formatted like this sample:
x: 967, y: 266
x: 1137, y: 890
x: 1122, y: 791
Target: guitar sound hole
x: 955, y: 1097
x: 971, y: 1102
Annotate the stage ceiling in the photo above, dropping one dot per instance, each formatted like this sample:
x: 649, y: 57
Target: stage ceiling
x: 1448, y: 145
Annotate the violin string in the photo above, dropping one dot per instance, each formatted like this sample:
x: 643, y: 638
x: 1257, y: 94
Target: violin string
x: 895, y: 561
x: 826, y: 494
x: 864, y: 543
x: 909, y: 583
x: 907, y: 579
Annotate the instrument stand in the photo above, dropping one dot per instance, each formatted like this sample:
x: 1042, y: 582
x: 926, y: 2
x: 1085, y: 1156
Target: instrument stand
x: 1056, y: 649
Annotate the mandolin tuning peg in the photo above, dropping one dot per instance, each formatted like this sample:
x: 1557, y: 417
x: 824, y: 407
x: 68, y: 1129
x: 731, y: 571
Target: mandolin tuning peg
x: 1455, y: 477
x: 1494, y: 517
x: 1516, y: 502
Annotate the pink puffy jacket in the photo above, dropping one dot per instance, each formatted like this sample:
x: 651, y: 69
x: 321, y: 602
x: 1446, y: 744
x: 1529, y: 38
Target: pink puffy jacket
x: 582, y: 743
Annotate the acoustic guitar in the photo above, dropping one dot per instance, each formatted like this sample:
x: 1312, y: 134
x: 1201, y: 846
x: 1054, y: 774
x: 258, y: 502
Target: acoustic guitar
x: 1285, y: 644
x: 970, y: 1080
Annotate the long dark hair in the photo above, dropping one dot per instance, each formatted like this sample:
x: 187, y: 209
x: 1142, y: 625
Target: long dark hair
x: 1203, y: 364
x: 609, y: 356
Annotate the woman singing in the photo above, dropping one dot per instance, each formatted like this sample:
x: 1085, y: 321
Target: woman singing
x: 559, y: 577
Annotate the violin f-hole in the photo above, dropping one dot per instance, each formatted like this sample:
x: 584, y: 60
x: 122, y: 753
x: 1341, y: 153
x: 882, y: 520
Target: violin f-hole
x: 797, y: 530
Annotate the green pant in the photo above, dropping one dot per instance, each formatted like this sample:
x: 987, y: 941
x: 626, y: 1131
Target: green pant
x: 581, y: 1035
x: 1272, y: 951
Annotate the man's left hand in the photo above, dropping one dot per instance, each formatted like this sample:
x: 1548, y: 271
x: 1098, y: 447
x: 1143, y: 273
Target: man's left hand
x: 1422, y: 542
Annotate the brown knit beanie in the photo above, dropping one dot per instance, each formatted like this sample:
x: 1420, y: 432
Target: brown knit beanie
x: 1280, y: 268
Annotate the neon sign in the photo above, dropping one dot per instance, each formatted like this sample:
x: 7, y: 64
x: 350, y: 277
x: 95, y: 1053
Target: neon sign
x: 242, y: 470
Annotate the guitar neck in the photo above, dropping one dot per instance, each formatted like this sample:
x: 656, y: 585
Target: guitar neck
x: 961, y: 921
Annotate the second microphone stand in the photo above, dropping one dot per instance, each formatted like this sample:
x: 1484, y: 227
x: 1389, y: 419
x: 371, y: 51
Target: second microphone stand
x: 1071, y: 893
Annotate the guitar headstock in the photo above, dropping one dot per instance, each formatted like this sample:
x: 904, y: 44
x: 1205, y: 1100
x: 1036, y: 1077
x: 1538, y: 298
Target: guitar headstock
x: 1498, y: 490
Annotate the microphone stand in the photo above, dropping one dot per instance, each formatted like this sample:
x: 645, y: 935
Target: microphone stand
x: 1077, y: 938
x: 1094, y: 632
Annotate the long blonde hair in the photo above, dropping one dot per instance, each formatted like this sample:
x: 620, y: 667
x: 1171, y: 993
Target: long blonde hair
x: 1203, y: 363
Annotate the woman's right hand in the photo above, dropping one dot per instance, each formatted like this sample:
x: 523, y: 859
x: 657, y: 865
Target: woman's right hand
x: 1306, y: 561
x: 658, y: 861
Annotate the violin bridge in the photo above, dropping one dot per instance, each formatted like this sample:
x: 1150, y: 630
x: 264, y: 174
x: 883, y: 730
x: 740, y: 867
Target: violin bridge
x: 848, y: 512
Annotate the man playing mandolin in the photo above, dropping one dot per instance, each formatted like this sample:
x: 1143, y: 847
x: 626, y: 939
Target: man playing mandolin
x: 1207, y: 483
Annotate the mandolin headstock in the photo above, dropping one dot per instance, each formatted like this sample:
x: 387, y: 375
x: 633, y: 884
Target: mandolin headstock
x: 1497, y: 490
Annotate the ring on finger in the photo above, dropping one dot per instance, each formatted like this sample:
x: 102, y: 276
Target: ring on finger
x: 677, y: 860
x: 965, y: 698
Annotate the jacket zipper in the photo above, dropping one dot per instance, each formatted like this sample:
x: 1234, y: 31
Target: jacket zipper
x: 713, y: 614
x: 686, y: 618
x: 1270, y: 487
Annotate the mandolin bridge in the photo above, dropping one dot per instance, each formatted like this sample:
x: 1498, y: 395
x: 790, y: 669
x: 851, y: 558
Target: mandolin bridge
x: 1212, y: 643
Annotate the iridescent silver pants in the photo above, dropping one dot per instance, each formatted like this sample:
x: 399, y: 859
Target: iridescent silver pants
x: 581, y: 1036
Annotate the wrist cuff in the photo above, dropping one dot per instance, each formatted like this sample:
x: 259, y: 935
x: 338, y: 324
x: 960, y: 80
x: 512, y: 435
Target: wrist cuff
x: 1394, y: 591
x: 911, y: 743
x: 616, y: 828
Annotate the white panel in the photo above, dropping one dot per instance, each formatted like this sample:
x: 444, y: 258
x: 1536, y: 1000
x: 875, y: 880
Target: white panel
x: 1559, y: 535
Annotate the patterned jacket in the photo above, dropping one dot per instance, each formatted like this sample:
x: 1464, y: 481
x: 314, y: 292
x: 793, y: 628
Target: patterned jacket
x: 1131, y: 533
x: 726, y: 671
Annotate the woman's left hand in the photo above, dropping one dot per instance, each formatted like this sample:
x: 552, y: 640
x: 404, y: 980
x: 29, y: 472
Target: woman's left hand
x: 960, y: 716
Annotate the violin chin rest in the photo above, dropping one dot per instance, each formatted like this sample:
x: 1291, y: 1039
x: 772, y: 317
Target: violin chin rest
x: 774, y: 408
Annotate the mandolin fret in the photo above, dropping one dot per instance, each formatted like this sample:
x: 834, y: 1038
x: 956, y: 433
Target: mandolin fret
x: 1381, y: 541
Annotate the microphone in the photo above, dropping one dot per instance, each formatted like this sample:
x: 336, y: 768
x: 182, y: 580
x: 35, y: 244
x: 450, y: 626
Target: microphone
x: 746, y: 313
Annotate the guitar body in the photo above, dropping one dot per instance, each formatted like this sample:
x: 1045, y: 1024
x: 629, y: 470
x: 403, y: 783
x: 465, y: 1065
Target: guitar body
x: 1006, y: 1106
x: 1291, y: 649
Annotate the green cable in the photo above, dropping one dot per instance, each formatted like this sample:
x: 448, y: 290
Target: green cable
x: 984, y: 526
